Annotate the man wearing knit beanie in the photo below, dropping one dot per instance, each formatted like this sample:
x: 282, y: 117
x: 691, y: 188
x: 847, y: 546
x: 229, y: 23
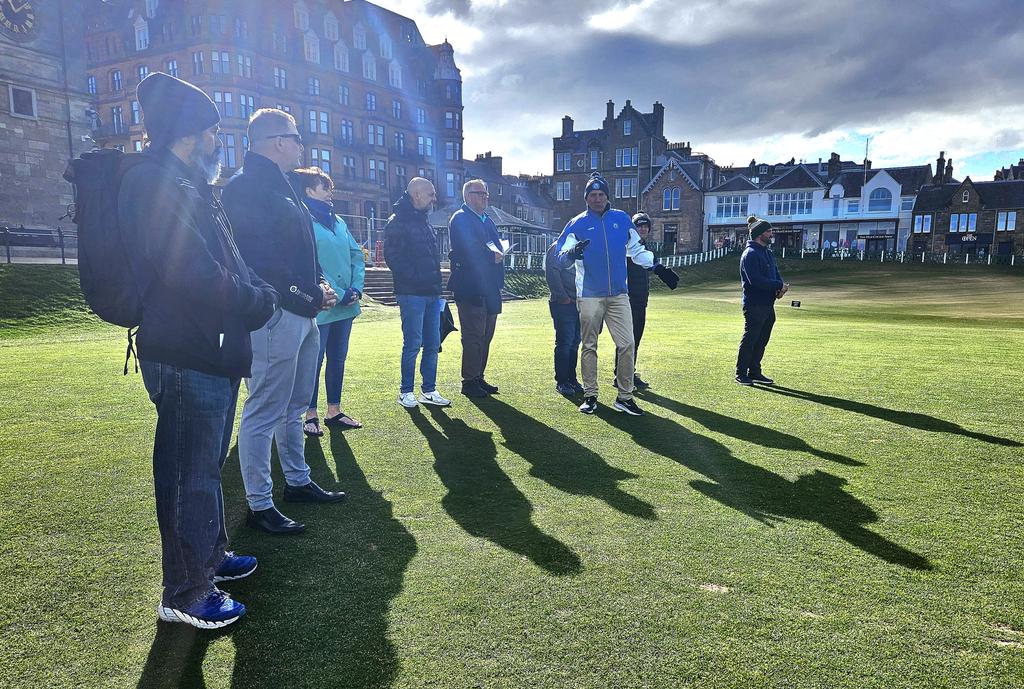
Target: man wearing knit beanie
x: 199, y: 303
x: 762, y: 285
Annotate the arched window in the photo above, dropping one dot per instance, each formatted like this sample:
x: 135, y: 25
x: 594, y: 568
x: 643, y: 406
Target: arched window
x: 880, y: 200
x: 676, y: 193
x: 666, y: 200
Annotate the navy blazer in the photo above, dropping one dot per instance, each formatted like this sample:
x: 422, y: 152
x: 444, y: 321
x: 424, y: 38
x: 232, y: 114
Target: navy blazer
x: 475, y: 279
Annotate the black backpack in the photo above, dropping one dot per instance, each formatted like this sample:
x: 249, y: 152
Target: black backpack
x: 106, y: 277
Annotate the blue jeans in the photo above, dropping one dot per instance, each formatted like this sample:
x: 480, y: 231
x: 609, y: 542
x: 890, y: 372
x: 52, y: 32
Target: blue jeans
x: 421, y: 329
x: 567, y: 340
x: 195, y: 417
x: 334, y: 338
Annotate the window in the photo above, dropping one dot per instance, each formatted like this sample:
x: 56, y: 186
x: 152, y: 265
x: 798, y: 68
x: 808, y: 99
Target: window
x: 907, y: 204
x: 563, y: 162
x: 196, y: 24
x: 562, y: 191
x: 595, y: 157
x: 835, y: 208
x: 311, y: 47
x: 400, y: 143
x: 963, y: 222
x: 241, y: 28
x: 224, y: 103
x: 371, y: 102
x: 151, y: 6
x: 1006, y: 222
x: 421, y: 116
x: 117, y: 119
x: 425, y: 146
x: 280, y: 78
x: 450, y: 184
x: 313, y: 86
x: 91, y: 84
x: 762, y: 169
x: 23, y: 101
x: 348, y: 166
x: 627, y: 157
x: 731, y: 206
x: 880, y: 200
x: 228, y: 153
x: 452, y: 150
x: 853, y: 206
x: 220, y: 61
x: 343, y: 94
x: 319, y: 121
x: 331, y: 27
x: 375, y: 135
x: 625, y: 188
x: 279, y: 42
x: 372, y: 174
x: 197, y: 63
x: 245, y: 66
x: 385, y: 47
x: 137, y: 145
x: 395, y: 75
x: 790, y: 203
x: 396, y: 108
x: 359, y: 37
x: 321, y: 158
x: 401, y: 180
x: 922, y: 224
x: 341, y: 57
x: 627, y: 127
x: 347, y: 129
x: 369, y: 67
x: 670, y: 199
x: 136, y: 112
x: 218, y: 24
x: 141, y: 72
x: 167, y: 32
x: 172, y: 67
x: 141, y: 34
x: 453, y: 120
x: 966, y: 196
x: 116, y: 82
x: 301, y: 17
x: 286, y: 108
x: 246, y: 105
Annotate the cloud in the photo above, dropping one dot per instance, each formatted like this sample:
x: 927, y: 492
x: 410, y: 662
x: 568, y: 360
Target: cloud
x: 740, y: 79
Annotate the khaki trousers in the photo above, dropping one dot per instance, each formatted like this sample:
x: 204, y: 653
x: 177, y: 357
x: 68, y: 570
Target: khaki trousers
x: 594, y: 313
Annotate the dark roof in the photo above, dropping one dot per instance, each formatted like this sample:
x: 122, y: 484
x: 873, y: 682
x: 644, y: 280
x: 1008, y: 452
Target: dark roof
x: 737, y: 183
x: 994, y: 195
x: 684, y: 173
x: 480, y: 170
x: 910, y: 179
x: 800, y: 177
x: 579, y: 142
x: 530, y: 194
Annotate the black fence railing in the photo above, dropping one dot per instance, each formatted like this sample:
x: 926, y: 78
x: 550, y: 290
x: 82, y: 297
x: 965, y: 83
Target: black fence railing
x: 35, y: 238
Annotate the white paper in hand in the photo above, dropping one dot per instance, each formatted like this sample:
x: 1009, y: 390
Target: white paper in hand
x: 506, y: 246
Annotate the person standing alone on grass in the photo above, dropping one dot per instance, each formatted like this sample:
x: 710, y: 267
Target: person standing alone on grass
x: 344, y: 268
x: 412, y: 255
x: 598, y: 242
x: 275, y: 234
x: 762, y: 285
x: 478, y: 275
x: 566, y: 318
x: 199, y: 303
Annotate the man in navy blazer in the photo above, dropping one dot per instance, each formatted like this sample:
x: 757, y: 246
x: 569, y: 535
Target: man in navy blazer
x: 478, y: 275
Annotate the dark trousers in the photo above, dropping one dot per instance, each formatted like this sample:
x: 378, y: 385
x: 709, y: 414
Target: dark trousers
x: 566, y: 318
x: 195, y: 417
x: 638, y: 306
x: 477, y: 328
x: 758, y: 320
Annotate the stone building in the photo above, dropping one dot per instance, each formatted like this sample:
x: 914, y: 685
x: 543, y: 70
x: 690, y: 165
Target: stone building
x: 674, y: 199
x: 43, y: 104
x: 526, y: 197
x: 973, y: 218
x: 375, y: 104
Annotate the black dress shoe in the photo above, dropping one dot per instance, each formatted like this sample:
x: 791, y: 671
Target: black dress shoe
x: 488, y: 388
x: 272, y: 521
x: 472, y: 388
x: 311, y: 493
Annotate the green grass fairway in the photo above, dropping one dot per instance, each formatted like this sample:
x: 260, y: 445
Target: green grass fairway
x: 860, y: 526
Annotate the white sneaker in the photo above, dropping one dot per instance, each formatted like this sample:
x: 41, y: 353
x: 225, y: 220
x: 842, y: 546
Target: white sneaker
x: 434, y: 398
x: 407, y: 399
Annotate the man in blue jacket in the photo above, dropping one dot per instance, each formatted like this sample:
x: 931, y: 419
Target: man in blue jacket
x: 478, y: 274
x: 598, y: 242
x: 762, y: 285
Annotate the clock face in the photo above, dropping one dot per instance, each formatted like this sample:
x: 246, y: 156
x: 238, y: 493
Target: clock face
x: 17, y: 18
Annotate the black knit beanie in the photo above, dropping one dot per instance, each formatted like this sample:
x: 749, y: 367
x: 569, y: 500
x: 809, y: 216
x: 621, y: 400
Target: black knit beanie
x: 596, y: 183
x: 756, y: 226
x: 173, y: 108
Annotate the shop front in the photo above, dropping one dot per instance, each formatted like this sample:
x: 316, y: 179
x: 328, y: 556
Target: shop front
x: 970, y: 244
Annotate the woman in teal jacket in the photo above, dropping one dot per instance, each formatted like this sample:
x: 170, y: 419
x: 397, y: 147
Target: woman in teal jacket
x: 342, y: 264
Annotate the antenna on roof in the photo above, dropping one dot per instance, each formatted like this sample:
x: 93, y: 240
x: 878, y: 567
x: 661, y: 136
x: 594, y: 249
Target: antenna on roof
x: 867, y: 142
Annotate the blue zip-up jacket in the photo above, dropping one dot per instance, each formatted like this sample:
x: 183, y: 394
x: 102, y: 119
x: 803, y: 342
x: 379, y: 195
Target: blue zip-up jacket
x: 759, y: 275
x: 602, y: 271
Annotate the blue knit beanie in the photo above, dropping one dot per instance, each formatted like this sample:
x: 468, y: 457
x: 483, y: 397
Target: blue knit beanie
x: 596, y: 183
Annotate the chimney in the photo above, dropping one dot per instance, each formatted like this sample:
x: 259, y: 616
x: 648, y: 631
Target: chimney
x: 834, y: 166
x: 687, y: 150
x: 940, y: 164
x: 820, y: 168
x: 867, y: 164
x: 948, y: 176
x: 609, y: 114
x: 659, y: 119
x: 567, y: 126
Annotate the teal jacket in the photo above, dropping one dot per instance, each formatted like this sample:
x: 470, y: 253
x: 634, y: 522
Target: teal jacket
x: 342, y: 263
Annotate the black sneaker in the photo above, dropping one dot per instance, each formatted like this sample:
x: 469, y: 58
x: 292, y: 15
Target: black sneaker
x: 639, y: 383
x: 628, y: 406
x: 472, y: 388
x: 589, y: 405
x: 565, y: 389
x: 743, y: 380
x: 761, y: 379
x: 488, y: 388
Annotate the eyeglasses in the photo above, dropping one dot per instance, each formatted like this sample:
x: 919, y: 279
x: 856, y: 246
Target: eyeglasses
x: 479, y: 193
x: 297, y: 137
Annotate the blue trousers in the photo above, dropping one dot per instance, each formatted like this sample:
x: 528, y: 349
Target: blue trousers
x: 421, y: 329
x: 195, y: 418
x: 566, y: 318
x: 334, y: 339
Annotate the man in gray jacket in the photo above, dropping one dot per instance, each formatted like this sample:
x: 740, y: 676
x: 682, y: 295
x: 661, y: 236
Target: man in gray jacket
x: 566, y: 317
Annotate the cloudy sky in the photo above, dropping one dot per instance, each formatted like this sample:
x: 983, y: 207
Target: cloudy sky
x: 742, y: 79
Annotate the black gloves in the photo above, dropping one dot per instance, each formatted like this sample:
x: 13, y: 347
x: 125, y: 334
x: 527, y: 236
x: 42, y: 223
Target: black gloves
x: 576, y: 253
x: 667, y: 276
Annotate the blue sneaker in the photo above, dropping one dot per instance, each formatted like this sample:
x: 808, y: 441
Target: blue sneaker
x: 234, y: 567
x: 212, y: 611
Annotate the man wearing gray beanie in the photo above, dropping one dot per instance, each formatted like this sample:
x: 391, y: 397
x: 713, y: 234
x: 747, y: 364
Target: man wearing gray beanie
x: 199, y: 303
x: 762, y: 285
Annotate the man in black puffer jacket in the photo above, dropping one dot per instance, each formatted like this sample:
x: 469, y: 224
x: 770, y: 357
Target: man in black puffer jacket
x: 411, y: 252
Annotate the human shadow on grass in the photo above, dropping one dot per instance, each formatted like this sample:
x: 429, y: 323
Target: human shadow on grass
x: 318, y: 606
x: 560, y: 461
x: 761, y: 494
x: 744, y: 430
x: 481, y: 498
x: 909, y: 419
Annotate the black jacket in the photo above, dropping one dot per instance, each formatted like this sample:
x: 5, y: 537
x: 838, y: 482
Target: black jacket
x: 275, y: 233
x: 476, y: 279
x: 194, y: 284
x: 759, y: 275
x: 638, y: 281
x: 410, y: 249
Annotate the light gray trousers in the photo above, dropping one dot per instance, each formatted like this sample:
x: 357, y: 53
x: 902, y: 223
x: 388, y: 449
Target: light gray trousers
x: 284, y: 357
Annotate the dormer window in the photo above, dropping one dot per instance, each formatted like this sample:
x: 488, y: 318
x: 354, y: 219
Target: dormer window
x: 385, y: 47
x: 330, y: 27
x: 627, y: 127
x: 763, y: 169
x: 301, y: 17
x: 359, y: 37
x: 966, y: 196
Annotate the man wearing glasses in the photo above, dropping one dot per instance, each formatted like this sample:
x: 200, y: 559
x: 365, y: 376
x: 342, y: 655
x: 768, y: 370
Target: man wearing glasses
x: 478, y: 275
x: 275, y: 236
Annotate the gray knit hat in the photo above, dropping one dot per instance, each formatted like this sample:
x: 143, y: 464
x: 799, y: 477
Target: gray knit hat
x: 173, y: 108
x: 757, y: 226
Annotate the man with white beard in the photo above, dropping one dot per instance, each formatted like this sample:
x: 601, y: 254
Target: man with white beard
x: 199, y: 303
